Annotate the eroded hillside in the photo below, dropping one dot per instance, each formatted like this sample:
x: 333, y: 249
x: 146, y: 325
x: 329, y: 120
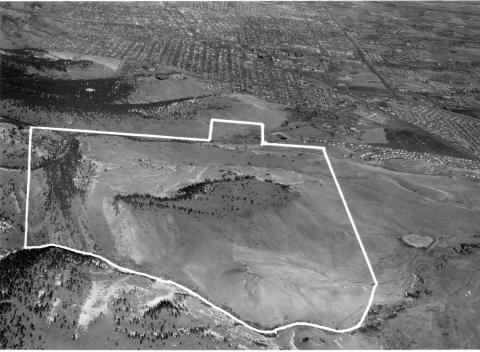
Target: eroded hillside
x: 54, y: 299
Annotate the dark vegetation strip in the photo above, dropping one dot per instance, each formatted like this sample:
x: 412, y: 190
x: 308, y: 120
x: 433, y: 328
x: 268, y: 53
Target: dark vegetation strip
x: 20, y: 59
x: 60, y: 175
x: 15, y: 122
x: 34, y: 90
x: 228, y: 195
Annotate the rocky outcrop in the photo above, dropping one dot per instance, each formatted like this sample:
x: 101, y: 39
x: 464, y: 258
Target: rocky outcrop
x: 417, y: 241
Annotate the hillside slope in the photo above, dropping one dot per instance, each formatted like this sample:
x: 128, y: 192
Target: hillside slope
x: 260, y: 232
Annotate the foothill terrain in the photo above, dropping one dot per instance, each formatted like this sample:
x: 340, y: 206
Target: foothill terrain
x: 390, y: 89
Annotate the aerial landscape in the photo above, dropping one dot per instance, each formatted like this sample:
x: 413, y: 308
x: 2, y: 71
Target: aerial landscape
x: 240, y: 175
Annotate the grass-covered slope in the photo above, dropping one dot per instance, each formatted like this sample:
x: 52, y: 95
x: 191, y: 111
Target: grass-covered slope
x: 261, y: 232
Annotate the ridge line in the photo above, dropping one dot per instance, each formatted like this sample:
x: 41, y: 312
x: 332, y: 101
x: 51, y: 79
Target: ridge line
x: 192, y: 293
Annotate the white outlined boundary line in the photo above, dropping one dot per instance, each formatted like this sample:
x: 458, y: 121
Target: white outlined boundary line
x: 183, y: 288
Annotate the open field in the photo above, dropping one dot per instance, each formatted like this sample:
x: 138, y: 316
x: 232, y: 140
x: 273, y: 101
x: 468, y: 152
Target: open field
x: 214, y: 219
x: 407, y: 280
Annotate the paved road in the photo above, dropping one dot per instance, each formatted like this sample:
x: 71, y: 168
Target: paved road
x: 361, y: 55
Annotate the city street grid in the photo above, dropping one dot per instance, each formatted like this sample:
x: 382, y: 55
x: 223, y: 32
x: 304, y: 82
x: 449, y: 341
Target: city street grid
x: 170, y: 282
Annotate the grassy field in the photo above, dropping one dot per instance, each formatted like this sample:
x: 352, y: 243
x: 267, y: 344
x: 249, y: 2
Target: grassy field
x: 258, y: 253
x: 246, y: 228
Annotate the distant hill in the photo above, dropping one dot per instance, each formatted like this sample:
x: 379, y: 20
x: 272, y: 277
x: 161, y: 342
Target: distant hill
x: 25, y: 24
